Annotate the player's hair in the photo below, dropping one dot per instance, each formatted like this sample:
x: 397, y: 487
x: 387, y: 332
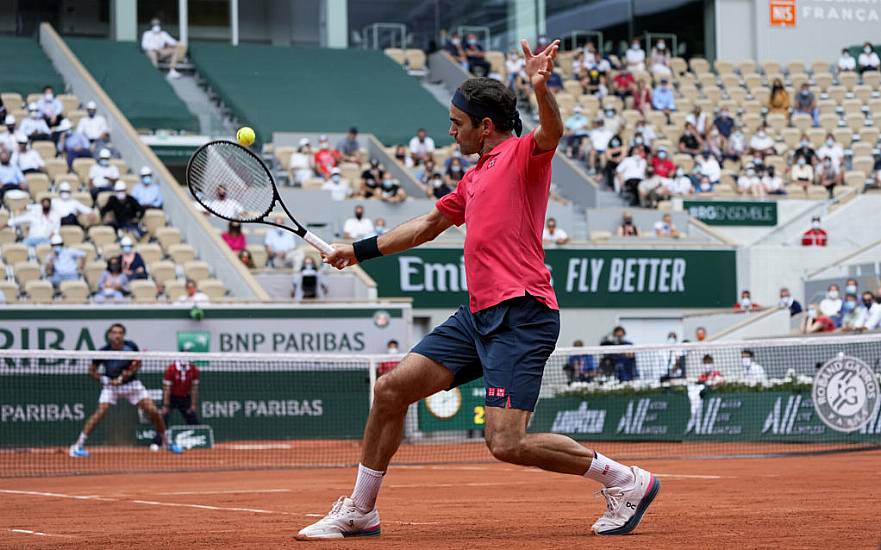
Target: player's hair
x: 487, y: 91
x: 748, y: 352
x: 708, y: 359
x: 115, y: 325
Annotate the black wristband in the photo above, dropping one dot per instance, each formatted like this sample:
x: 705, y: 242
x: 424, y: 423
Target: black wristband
x: 366, y: 249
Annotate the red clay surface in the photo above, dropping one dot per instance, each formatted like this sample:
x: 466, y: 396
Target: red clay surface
x: 792, y: 502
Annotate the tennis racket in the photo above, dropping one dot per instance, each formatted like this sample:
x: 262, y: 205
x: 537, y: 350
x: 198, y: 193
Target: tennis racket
x: 232, y: 183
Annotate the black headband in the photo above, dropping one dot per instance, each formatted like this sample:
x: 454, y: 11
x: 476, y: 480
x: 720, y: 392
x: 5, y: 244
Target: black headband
x: 482, y: 111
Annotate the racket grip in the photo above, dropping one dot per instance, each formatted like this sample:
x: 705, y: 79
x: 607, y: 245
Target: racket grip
x: 317, y: 242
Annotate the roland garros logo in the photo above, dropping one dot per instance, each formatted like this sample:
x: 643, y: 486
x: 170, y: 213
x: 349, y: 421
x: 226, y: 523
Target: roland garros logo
x: 845, y: 393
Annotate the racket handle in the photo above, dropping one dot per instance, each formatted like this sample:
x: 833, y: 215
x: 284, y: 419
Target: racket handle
x: 317, y: 242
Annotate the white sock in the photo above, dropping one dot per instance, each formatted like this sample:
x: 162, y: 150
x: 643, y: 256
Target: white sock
x: 366, y: 488
x: 610, y: 473
x: 82, y: 440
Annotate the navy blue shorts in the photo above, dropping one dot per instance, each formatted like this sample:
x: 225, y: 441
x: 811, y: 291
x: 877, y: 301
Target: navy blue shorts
x: 508, y: 344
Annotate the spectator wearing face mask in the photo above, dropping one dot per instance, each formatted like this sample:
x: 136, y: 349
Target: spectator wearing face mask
x: 421, y: 146
x: 779, y: 101
x: 50, y: 107
x: 773, y: 183
x: 454, y: 173
x: 815, y: 236
x: 709, y: 167
x: 623, y: 84
x: 553, y: 234
x: 746, y: 303
x: 302, y: 163
x: 868, y: 60
x: 34, y: 127
x: 371, y: 180
x: 63, y: 263
x: 698, y: 119
x: 661, y: 58
x: 41, y: 220
x: 805, y: 151
x: 224, y: 205
x: 113, y: 284
x: 9, y: 140
x: 68, y: 208
x: 643, y: 134
x: 132, y: 263
x: 690, y: 142
x: 652, y: 189
x: 852, y: 286
x: 612, y: 157
x: 724, y: 122
x: 709, y: 375
x: 620, y: 365
x: 577, y: 128
x: 281, y: 247
x: 735, y: 145
x: 72, y: 144
x: 102, y: 175
x: 379, y: 226
x: 630, y: 174
x: 475, y: 56
x: 846, y: 63
x: 147, y: 191
x: 453, y: 46
x: 337, y: 185
x: 635, y: 56
x: 600, y: 136
x: 833, y: 151
x: 831, y: 304
x: 749, y: 183
x: 402, y: 155
x: 391, y: 190
x: 122, y: 211
x: 666, y: 229
x: 26, y: 159
x: 359, y: 226
x: 234, y: 238
x: 815, y: 321
x: 423, y: 173
x: 752, y: 372
x: 790, y: 303
x: 802, y: 173
x: 309, y: 282
x: 829, y: 177
x: 662, y: 165
x: 93, y: 125
x: 853, y: 314
x: 872, y: 302
x: 437, y: 187
x: 627, y: 227
x: 680, y: 184
x: 663, y: 99
x: 349, y: 147
x: 761, y: 144
x: 806, y: 103
x: 714, y: 144
x: 326, y: 158
x: 158, y: 45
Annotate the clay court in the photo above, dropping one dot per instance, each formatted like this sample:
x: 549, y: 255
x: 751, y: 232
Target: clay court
x: 788, y: 502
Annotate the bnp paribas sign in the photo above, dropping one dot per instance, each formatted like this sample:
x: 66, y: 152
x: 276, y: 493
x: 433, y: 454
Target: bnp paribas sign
x: 587, y: 278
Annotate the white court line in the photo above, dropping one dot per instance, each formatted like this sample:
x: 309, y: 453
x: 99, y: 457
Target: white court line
x: 56, y: 495
x: 230, y: 492
x: 479, y: 484
x: 36, y: 533
x: 690, y: 476
x: 206, y: 507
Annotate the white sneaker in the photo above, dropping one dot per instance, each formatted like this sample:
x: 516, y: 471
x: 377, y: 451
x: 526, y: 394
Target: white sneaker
x: 627, y: 506
x: 173, y: 74
x: 343, y: 520
x: 76, y: 451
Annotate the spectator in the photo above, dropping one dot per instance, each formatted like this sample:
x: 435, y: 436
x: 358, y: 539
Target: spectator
x: 663, y: 99
x: 326, y: 159
x: 246, y: 259
x: 224, y: 205
x: 159, y: 45
x: 761, y: 144
x: 513, y: 66
x: 475, y: 56
x: 715, y: 144
x: 73, y: 144
x: 635, y: 57
x: 371, y: 179
x: 421, y: 146
x: 192, y: 295
x: 661, y: 58
x: 103, y: 142
x: 630, y: 174
x: 612, y: 157
x: 233, y: 237
x: 852, y: 287
x: 750, y: 183
x: 746, y: 303
x: 877, y: 170
x: 553, y: 234
x: 830, y: 305
x: 42, y: 222
x: 93, y: 125
x: 724, y: 122
x: 456, y: 153
x: 709, y: 167
x: 815, y: 236
x: 34, y: 127
x: 50, y: 107
x: 752, y: 371
x: 846, y: 63
x: 833, y: 151
x: 790, y: 303
x: 623, y: 84
x: 122, y: 211
x: 359, y: 226
x: 680, y: 184
x: 652, y: 189
x: 600, y: 136
x: 339, y: 188
x: 26, y: 159
x: 868, y: 60
x: 643, y: 135
x: 281, y: 247
x: 402, y: 155
x: 424, y: 173
x: 872, y: 305
x: 146, y: 191
x: 735, y: 146
x: 64, y: 263
x: 454, y: 173
x: 113, y: 284
x: 627, y: 228
x: 802, y: 173
x: 9, y: 140
x: 593, y: 81
x: 392, y: 192
x: 805, y: 151
x: 779, y: 101
x: 580, y: 367
x: 642, y: 97
x: 662, y: 165
x: 690, y: 142
x: 577, y: 129
x: 379, y: 226
x: 437, y: 187
x: 815, y: 321
x: 102, y: 175
x: 302, y: 164
x: 555, y: 83
x: 853, y: 314
x: 180, y: 390
x: 453, y: 46
x: 665, y: 228
x: 623, y: 365
x: 309, y: 282
x: 829, y: 177
x: 806, y: 103
x: 669, y: 364
x: 348, y: 146
x: 132, y: 263
x: 700, y: 334
x: 698, y: 119
x: 772, y: 183
x: 710, y: 376
x: 68, y: 208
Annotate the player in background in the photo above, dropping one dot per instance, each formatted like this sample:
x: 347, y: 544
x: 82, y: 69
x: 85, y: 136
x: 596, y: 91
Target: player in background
x: 119, y: 380
x: 513, y: 321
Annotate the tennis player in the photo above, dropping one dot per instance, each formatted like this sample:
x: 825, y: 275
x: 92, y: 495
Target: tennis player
x: 512, y: 324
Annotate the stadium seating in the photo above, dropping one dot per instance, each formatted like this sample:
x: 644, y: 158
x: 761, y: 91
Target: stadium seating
x: 25, y: 69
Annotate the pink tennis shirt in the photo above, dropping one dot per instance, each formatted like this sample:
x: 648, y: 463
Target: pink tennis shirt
x: 503, y: 201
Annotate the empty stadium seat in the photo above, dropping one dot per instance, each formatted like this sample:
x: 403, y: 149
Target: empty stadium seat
x: 16, y: 201
x: 46, y: 149
x: 92, y: 273
x: 26, y: 271
x: 102, y: 235
x: 55, y: 168
x: 415, y: 59
x: 181, y: 253
x: 168, y: 236
x: 150, y: 253
x: 258, y: 254
x: 74, y: 292
x: 175, y: 288
x: 397, y: 54
x: 39, y: 292
x: 81, y: 167
x: 214, y: 288
x: 9, y: 290
x: 162, y: 271
x: 12, y: 100
x: 197, y: 270
x: 72, y: 234
x: 89, y: 249
x: 153, y: 219
x: 13, y: 253
x: 37, y: 184
x: 7, y: 235
x: 143, y: 291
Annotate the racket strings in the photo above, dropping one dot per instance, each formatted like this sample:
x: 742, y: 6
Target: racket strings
x: 230, y: 182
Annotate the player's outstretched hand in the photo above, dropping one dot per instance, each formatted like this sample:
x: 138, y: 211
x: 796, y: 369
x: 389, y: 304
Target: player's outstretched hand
x: 539, y: 67
x: 343, y: 255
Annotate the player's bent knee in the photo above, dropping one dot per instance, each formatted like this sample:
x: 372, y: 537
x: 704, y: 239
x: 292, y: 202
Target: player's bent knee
x: 505, y: 447
x: 388, y: 395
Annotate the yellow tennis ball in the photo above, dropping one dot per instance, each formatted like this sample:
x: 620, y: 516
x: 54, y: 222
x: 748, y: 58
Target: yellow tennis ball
x: 245, y: 136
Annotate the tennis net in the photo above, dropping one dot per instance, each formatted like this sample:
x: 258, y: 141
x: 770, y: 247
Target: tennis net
x: 796, y: 395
